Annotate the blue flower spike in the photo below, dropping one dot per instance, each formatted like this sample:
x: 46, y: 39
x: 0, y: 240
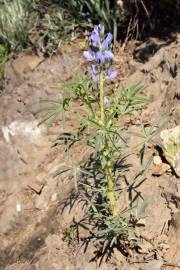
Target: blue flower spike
x: 100, y: 54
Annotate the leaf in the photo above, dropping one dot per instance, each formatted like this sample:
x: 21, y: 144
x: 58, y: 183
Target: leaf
x: 86, y: 172
x: 141, y: 153
x: 137, y: 134
x: 106, y: 242
x: 59, y: 171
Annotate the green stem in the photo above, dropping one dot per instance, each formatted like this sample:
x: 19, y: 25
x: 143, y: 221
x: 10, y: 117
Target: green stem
x: 101, y: 88
x: 110, y: 191
x: 108, y: 169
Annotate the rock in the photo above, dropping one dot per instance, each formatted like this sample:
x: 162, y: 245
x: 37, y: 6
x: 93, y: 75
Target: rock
x: 33, y: 62
x: 171, y: 147
x: 54, y: 241
x: 170, y: 190
x: 55, y: 256
x: 157, y: 160
x: 48, y: 194
x: 119, y: 256
x: 18, y: 69
x: 21, y: 266
x: 161, y: 169
x: 145, y: 247
x: 28, y: 129
x: 173, y: 253
x: 36, y: 186
x: 152, y: 265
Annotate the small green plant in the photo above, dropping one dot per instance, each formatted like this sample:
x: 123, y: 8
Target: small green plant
x: 71, y: 233
x: 98, y: 178
x: 3, y: 58
x: 16, y: 21
x: 55, y: 25
x: 95, y: 10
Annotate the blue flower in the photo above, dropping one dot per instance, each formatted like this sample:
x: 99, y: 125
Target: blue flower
x: 94, y: 73
x: 107, y: 41
x: 89, y: 55
x: 112, y: 73
x: 100, y: 54
x: 95, y: 39
x: 99, y: 49
x: 108, y: 55
x: 94, y: 69
x: 102, y: 57
x: 96, y: 35
x: 99, y: 29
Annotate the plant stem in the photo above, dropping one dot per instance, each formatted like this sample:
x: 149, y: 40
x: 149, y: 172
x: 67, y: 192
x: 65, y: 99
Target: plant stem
x: 101, y: 88
x: 110, y: 192
x: 108, y: 169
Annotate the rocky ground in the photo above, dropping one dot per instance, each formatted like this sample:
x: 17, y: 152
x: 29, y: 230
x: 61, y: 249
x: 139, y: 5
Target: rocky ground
x: 31, y: 218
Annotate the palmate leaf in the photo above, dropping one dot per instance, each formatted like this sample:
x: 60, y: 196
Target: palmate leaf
x: 97, y: 141
x: 128, y: 100
x: 111, y: 231
x: 66, y: 139
x: 51, y: 111
x: 89, y: 203
x: 148, y: 135
x: 72, y: 171
x: 118, y: 135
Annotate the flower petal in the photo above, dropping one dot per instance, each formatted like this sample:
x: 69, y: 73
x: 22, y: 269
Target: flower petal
x: 88, y: 55
x: 112, y: 73
x: 94, y: 49
x: 107, y: 40
x: 99, y: 29
x: 108, y: 55
x: 94, y: 69
x: 95, y: 39
x: 100, y: 57
x: 94, y: 73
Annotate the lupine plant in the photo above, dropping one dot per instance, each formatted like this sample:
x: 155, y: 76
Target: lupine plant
x: 98, y: 178
x: 101, y: 56
x: 102, y: 189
